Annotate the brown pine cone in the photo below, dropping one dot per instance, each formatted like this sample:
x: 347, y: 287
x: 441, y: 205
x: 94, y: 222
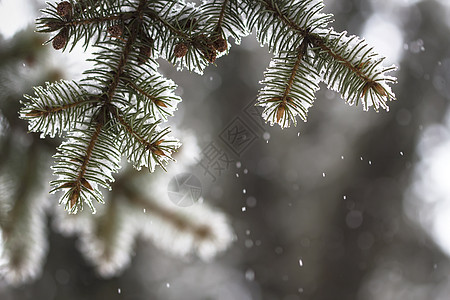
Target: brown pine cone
x: 60, y: 40
x: 220, y: 44
x: 115, y: 31
x: 180, y: 50
x: 64, y: 9
x: 209, y: 53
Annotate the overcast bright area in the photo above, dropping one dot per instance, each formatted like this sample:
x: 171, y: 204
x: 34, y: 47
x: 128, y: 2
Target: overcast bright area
x: 350, y: 205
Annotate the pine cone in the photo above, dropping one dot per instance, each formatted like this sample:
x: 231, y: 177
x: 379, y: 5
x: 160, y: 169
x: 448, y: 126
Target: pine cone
x: 115, y: 31
x: 220, y: 44
x: 60, y: 40
x: 180, y: 50
x: 209, y: 53
x: 64, y: 9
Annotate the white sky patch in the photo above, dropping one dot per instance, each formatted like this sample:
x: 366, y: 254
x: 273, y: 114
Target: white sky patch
x: 427, y: 201
x: 407, y: 2
x: 16, y: 15
x: 385, y: 37
x: 444, y: 2
x: 388, y: 4
x: 73, y: 63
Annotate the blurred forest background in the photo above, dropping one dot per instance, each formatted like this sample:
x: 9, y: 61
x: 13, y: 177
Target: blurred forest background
x: 350, y: 205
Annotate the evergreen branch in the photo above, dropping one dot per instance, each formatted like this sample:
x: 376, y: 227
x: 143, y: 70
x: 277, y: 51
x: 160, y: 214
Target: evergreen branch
x: 225, y: 19
x: 51, y: 110
x: 116, y: 110
x: 282, y: 25
x: 348, y: 65
x: 23, y: 231
x: 178, y: 30
x: 78, y: 183
x: 138, y: 83
x: 174, y: 25
x: 57, y: 107
x: 54, y: 24
x: 109, y: 242
x: 193, y: 230
x: 80, y: 180
x: 142, y: 140
x: 143, y: 143
x: 84, y: 163
x: 106, y: 230
x: 88, y: 23
x: 277, y: 11
x: 290, y: 87
x: 344, y: 60
x: 222, y: 14
x: 146, y: 94
x: 301, y: 52
x: 81, y: 164
x: 352, y: 68
x: 119, y: 70
x: 177, y: 220
x: 154, y: 95
x: 123, y: 95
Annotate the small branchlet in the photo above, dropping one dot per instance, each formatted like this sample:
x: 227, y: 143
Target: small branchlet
x: 375, y: 86
x: 154, y: 147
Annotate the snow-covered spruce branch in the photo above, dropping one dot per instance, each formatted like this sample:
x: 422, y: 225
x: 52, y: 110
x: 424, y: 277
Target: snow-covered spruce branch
x: 124, y: 95
x: 197, y: 230
x: 23, y: 243
x: 85, y: 20
x: 298, y: 32
x: 290, y: 87
x: 107, y: 238
x: 85, y: 162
